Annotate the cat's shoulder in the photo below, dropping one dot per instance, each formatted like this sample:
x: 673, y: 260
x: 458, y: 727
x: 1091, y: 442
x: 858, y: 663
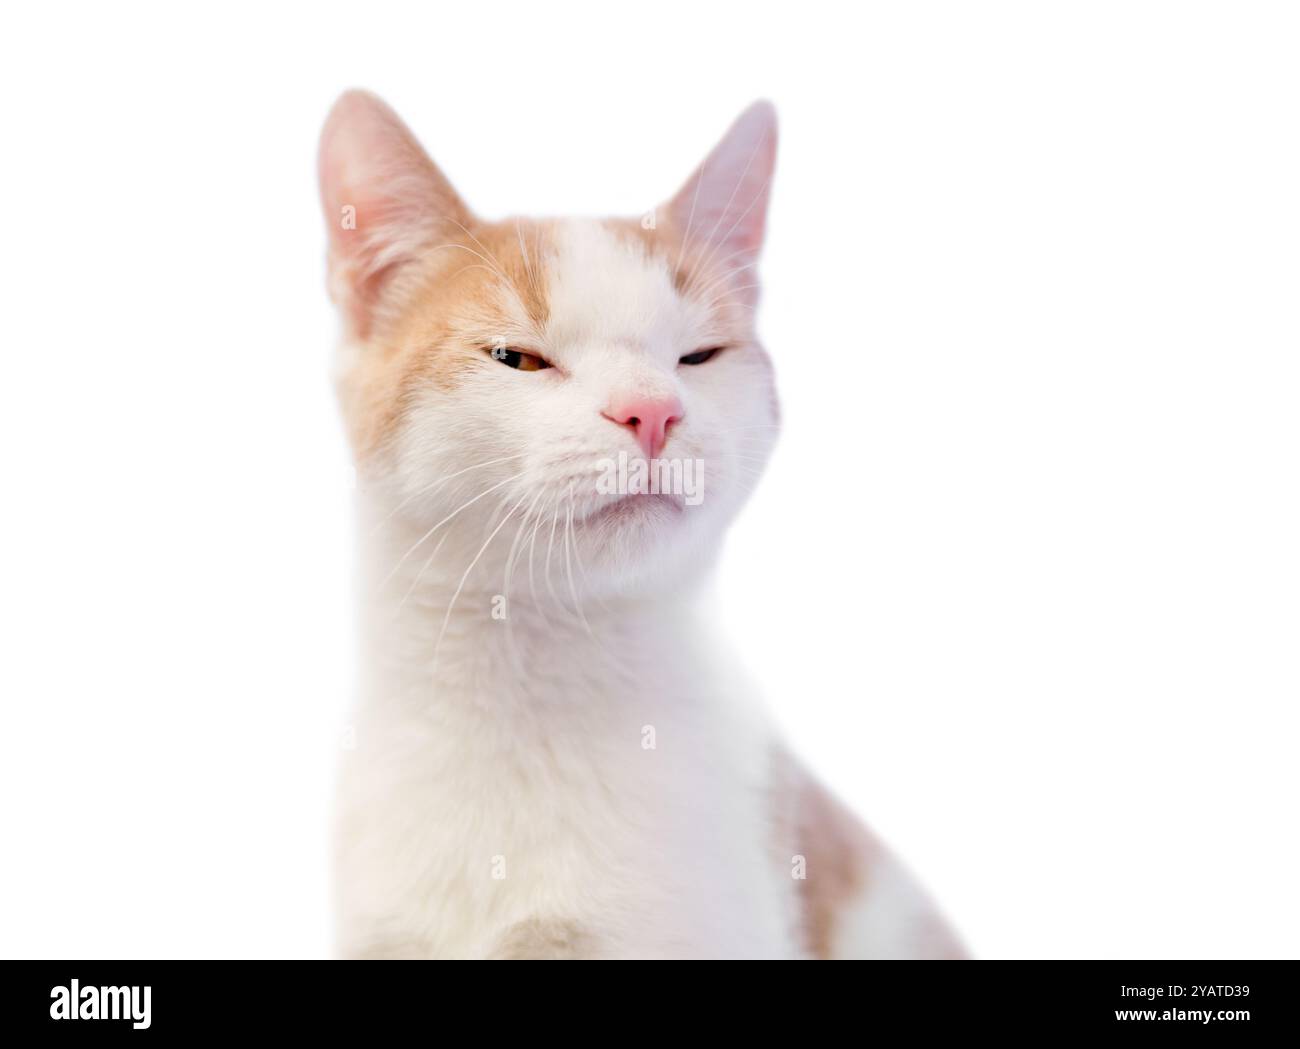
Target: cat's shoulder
x: 856, y: 899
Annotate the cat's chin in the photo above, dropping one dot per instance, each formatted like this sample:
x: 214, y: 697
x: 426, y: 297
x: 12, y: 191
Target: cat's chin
x: 644, y: 544
x: 640, y: 509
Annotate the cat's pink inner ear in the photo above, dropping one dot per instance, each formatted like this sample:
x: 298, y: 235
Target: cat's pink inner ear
x: 385, y: 202
x: 723, y: 205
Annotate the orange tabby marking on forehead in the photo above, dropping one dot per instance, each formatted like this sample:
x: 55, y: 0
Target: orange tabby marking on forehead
x: 486, y: 284
x: 490, y: 282
x: 702, y: 268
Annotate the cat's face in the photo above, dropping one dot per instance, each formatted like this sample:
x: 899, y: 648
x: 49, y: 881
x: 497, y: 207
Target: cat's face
x: 584, y: 396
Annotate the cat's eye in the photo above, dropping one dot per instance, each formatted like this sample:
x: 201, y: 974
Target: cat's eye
x: 518, y: 359
x: 700, y: 356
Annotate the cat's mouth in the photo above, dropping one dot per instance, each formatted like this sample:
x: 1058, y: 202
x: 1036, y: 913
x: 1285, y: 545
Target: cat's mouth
x: 635, y: 507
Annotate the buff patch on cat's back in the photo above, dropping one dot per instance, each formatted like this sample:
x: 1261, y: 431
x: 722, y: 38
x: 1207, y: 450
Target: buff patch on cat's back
x: 811, y: 826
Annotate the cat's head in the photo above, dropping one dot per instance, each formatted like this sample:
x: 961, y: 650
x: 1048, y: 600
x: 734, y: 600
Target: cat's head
x: 588, y: 390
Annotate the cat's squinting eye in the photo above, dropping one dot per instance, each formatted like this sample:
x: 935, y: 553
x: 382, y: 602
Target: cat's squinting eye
x: 700, y: 356
x: 518, y: 359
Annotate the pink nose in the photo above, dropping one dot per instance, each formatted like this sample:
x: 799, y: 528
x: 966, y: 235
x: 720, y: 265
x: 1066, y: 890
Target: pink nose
x: 649, y: 418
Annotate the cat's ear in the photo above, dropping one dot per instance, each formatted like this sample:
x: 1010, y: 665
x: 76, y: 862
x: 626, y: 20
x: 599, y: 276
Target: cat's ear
x: 385, y: 203
x: 723, y: 205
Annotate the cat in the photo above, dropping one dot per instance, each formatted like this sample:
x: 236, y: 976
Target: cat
x: 551, y: 758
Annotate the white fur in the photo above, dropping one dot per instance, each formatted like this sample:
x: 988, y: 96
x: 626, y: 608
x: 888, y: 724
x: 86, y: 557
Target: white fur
x: 653, y: 853
x: 524, y: 739
x: 501, y: 798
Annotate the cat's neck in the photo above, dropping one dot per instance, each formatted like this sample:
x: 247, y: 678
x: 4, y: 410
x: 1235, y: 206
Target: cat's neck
x: 434, y: 632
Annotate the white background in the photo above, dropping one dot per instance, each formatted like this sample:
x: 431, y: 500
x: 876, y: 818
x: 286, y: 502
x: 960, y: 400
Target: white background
x: 1022, y: 583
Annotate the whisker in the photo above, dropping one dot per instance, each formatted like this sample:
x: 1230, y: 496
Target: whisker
x: 461, y: 585
x: 549, y: 545
x: 568, y: 564
x: 440, y: 481
x: 532, y: 546
x: 458, y: 509
x: 722, y: 300
x: 740, y: 181
x: 694, y: 289
x: 462, y: 247
x: 582, y: 571
x: 510, y: 557
x: 690, y: 221
x: 423, y: 568
x: 509, y: 575
x: 744, y: 214
x: 495, y: 261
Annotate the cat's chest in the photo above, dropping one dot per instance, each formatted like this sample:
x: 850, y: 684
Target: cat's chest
x: 570, y: 812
